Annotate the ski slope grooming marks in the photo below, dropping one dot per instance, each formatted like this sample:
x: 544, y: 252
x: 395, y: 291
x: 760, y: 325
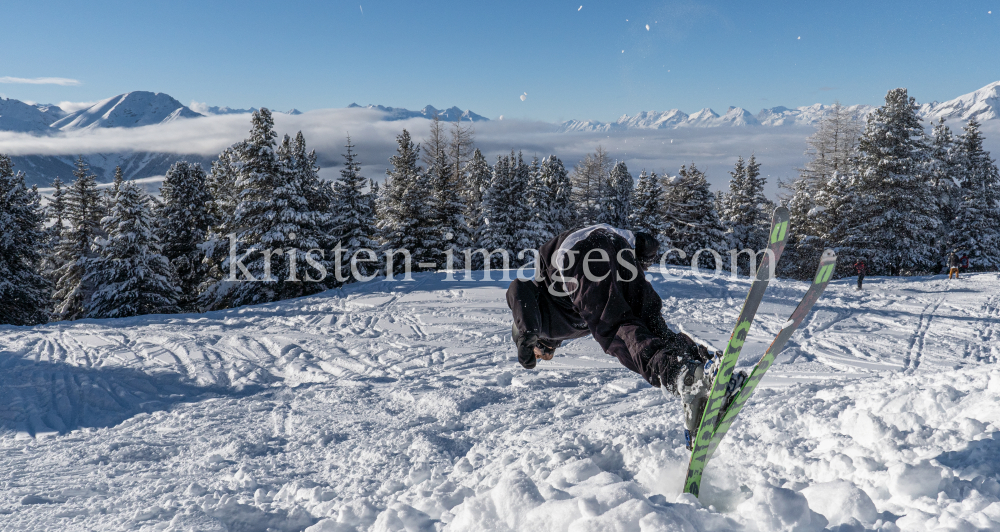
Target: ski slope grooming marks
x: 400, y: 406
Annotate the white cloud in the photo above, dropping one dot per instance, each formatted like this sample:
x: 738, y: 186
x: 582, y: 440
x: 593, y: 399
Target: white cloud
x: 71, y: 107
x: 714, y: 150
x: 65, y: 82
x: 199, y: 107
x: 780, y: 150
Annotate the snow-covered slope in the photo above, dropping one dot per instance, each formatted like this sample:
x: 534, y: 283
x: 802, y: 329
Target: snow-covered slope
x: 21, y: 117
x: 133, y: 109
x: 400, y: 406
x: 983, y: 104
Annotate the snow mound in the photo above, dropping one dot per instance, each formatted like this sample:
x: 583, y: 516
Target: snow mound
x: 780, y: 509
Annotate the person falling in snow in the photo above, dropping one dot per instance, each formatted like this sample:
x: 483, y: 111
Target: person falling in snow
x: 592, y: 281
x: 953, y: 264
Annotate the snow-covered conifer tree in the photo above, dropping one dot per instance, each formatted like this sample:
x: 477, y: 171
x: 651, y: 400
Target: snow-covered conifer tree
x: 648, y: 207
x: 745, y: 211
x: 976, y: 228
x: 272, y: 225
x: 54, y: 212
x: 406, y: 217
x: 449, y: 229
x: 694, y: 223
x: 221, y: 183
x: 353, y: 220
x: 617, y: 210
x: 130, y: 275
x: 111, y: 192
x: 183, y: 224
x: 505, y: 209
x: 945, y: 175
x: 560, y: 189
x: 24, y: 292
x: 478, y: 174
x: 76, y: 247
x: 893, y: 222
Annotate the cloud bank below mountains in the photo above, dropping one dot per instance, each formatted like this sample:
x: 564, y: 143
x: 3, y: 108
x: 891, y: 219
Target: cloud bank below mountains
x: 714, y: 150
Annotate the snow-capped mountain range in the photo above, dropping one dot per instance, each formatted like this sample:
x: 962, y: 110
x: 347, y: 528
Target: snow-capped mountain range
x: 143, y: 108
x: 983, y: 104
x: 448, y: 115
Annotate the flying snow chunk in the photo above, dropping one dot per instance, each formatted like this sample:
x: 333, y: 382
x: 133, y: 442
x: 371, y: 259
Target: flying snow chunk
x: 800, y: 38
x: 581, y: 7
x: 524, y: 97
x: 647, y: 27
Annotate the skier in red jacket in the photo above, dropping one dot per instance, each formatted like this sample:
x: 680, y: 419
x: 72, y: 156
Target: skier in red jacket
x: 861, y: 268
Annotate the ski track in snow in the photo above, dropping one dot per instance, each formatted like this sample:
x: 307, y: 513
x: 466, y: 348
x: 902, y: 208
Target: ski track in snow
x: 400, y: 406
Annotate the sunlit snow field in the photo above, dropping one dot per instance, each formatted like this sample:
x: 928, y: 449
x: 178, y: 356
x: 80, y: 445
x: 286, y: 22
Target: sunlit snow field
x: 400, y: 406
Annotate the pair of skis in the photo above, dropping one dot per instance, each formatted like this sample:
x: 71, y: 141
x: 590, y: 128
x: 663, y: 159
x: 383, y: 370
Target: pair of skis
x: 716, y: 421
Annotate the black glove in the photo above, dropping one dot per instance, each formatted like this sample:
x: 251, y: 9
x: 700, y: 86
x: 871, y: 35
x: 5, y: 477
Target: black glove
x: 526, y: 349
x: 668, y: 360
x: 691, y: 348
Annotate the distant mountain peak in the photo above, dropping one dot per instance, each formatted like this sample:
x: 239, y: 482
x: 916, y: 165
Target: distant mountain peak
x: 132, y: 109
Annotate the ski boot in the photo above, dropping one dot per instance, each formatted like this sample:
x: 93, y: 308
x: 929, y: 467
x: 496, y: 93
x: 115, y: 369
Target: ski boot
x: 694, y: 383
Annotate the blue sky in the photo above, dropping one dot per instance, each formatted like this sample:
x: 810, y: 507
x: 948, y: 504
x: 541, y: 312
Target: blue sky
x: 597, y: 62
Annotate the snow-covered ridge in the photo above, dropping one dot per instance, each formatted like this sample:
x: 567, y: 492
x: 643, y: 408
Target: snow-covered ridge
x: 132, y: 109
x: 21, y: 117
x: 983, y: 104
x: 448, y: 115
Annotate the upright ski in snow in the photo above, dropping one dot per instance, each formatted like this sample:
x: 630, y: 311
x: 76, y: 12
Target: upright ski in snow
x: 823, y: 274
x: 717, y: 395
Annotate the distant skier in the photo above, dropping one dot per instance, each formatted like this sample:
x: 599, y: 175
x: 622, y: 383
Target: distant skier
x: 861, y: 268
x: 592, y: 281
x: 953, y: 264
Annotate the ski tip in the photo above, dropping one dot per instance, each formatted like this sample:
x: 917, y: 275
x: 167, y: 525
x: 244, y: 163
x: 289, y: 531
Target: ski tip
x: 828, y: 256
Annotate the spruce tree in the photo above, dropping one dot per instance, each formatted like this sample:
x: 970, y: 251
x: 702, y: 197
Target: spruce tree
x: 945, y: 173
x: 648, y: 207
x: 111, y: 192
x: 55, y: 212
x: 183, y: 224
x: 76, y: 247
x: 505, y: 213
x: 478, y: 174
x: 353, y: 220
x: 24, y: 292
x: 448, y: 227
x: 893, y: 222
x: 539, y: 199
x: 746, y: 211
x: 694, y: 222
x: 560, y: 189
x: 221, y: 183
x: 617, y: 205
x: 405, y: 216
x: 130, y: 274
x: 272, y: 225
x: 976, y: 228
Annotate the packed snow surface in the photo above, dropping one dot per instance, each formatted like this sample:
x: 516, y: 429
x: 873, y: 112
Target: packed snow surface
x: 394, y: 406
